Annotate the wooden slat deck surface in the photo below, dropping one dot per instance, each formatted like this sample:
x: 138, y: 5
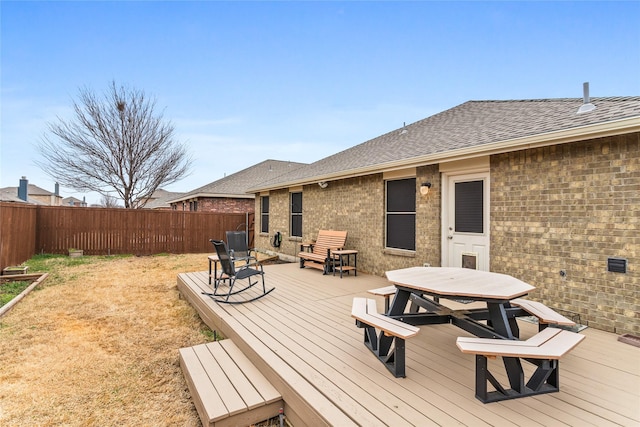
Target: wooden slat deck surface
x: 230, y: 389
x: 303, y: 339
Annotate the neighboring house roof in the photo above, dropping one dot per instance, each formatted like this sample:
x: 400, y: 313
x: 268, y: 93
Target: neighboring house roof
x: 472, y: 129
x: 71, y: 201
x: 10, y: 194
x: 237, y: 184
x: 160, y: 199
x: 34, y: 190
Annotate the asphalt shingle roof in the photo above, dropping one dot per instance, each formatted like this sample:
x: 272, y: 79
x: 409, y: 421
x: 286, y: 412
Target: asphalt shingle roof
x: 468, y: 125
x: 237, y: 184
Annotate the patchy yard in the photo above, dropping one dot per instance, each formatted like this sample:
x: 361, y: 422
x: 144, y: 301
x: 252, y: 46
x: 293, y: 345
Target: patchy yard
x: 97, y: 345
x: 11, y: 289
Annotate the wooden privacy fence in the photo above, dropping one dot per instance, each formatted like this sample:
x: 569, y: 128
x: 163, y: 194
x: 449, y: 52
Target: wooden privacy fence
x: 17, y: 233
x: 27, y: 230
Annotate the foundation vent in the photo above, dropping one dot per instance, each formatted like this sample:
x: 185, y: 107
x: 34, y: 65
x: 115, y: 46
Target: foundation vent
x: 617, y: 265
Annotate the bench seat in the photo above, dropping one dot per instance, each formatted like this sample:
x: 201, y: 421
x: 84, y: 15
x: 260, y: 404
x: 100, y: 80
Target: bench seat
x: 543, y: 350
x: 388, y: 345
x: 546, y: 315
x: 386, y: 292
x: 551, y: 343
x: 226, y: 388
x: 318, y: 254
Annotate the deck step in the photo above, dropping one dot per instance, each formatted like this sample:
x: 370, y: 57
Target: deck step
x: 226, y: 388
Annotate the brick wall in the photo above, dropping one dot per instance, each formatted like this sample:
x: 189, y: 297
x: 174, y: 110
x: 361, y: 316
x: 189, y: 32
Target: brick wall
x: 357, y: 205
x: 223, y: 205
x: 559, y: 208
x: 567, y: 208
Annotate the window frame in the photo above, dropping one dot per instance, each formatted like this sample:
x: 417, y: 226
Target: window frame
x: 264, y: 214
x: 408, y: 242
x: 294, y: 215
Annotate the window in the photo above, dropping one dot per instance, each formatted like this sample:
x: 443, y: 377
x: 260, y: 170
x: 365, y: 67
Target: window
x: 469, y: 213
x: 296, y: 214
x: 264, y: 214
x: 401, y: 214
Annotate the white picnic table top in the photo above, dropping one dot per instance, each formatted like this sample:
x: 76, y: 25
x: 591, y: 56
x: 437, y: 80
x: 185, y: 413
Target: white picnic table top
x: 460, y: 282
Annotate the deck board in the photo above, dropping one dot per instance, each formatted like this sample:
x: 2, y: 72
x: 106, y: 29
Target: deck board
x: 303, y: 339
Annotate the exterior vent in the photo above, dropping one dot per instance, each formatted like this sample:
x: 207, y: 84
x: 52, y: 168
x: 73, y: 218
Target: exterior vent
x: 617, y: 265
x: 586, y: 103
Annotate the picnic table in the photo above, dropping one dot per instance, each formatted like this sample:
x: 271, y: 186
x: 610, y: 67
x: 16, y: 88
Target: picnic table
x: 417, y: 302
x: 497, y: 290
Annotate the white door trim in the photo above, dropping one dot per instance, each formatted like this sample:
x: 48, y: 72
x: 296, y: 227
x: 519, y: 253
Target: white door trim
x: 448, y: 180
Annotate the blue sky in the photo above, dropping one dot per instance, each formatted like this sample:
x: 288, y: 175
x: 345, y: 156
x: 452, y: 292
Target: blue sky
x: 247, y: 81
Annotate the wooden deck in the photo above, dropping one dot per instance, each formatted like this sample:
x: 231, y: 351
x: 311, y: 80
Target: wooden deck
x: 303, y: 339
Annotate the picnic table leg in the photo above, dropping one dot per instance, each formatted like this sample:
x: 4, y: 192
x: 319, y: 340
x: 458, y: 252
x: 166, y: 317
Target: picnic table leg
x: 380, y: 346
x: 503, y: 326
x: 507, y: 328
x: 399, y: 302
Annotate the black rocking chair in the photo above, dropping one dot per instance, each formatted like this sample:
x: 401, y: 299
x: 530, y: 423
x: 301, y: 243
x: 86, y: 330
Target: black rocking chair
x: 231, y: 274
x: 238, y: 247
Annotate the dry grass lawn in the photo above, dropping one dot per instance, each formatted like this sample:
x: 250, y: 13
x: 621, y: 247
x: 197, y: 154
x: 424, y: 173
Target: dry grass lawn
x: 97, y: 345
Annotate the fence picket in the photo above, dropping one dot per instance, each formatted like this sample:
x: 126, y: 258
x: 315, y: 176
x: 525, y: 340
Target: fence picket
x: 28, y: 229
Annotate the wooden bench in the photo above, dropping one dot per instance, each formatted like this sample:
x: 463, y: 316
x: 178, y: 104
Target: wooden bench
x: 227, y: 389
x: 545, y: 315
x: 318, y: 254
x: 543, y: 350
x: 388, y: 345
x: 385, y: 292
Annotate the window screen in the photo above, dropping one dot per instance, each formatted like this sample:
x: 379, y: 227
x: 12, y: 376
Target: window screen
x: 469, y: 207
x: 401, y: 214
x: 296, y: 214
x: 264, y: 214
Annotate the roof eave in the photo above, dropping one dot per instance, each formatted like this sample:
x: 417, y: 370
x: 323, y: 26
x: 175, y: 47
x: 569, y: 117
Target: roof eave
x: 212, y: 195
x: 610, y: 128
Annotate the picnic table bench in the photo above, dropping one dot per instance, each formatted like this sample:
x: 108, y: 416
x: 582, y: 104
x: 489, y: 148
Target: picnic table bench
x: 386, y: 292
x: 543, y: 349
x: 545, y: 315
x: 392, y: 331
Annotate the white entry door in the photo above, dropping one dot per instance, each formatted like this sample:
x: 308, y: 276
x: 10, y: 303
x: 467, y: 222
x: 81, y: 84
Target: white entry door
x: 465, y: 221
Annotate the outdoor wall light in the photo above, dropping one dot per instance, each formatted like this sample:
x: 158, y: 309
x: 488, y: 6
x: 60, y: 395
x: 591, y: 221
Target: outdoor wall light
x: 424, y: 188
x: 323, y: 184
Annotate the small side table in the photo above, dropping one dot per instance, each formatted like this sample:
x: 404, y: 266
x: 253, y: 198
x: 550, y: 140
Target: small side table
x: 213, y: 272
x: 344, y: 261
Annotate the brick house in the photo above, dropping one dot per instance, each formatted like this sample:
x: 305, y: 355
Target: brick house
x: 539, y: 189
x: 160, y: 198
x: 229, y: 194
x: 30, y: 193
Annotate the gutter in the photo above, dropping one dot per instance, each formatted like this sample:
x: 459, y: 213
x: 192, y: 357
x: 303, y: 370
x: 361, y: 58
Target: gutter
x: 616, y: 127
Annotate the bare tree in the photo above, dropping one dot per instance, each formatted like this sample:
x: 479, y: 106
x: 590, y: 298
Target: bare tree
x: 108, y: 201
x: 114, y: 144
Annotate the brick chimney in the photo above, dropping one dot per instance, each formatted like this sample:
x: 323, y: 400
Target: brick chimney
x: 22, y: 189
